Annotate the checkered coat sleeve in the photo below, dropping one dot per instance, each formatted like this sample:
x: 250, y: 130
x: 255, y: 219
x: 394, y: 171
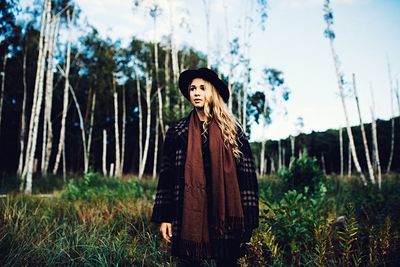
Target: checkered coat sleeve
x: 163, y: 209
x: 248, y: 184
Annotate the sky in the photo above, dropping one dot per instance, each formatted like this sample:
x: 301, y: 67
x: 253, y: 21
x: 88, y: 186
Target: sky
x: 367, y: 37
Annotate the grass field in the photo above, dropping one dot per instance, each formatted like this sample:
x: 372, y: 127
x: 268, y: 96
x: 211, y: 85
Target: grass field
x: 99, y: 221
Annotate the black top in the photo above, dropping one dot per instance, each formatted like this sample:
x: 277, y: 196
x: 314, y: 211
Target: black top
x: 207, y: 169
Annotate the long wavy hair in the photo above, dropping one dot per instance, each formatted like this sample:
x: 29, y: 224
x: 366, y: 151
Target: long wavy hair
x: 215, y: 108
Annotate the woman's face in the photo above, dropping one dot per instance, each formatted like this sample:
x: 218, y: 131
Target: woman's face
x: 196, y: 93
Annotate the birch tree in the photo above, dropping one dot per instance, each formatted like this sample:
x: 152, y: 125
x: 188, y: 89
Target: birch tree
x: 104, y: 158
x: 364, y: 136
x: 47, y: 123
x: 22, y: 134
x: 375, y: 139
x: 148, y: 124
x: 206, y: 4
x: 3, y: 79
x: 38, y: 97
x: 328, y: 17
x: 61, y: 143
x: 341, y: 150
x: 392, y: 120
x: 117, y: 166
x: 123, y: 130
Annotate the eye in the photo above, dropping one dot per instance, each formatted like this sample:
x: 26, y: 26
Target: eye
x: 202, y: 87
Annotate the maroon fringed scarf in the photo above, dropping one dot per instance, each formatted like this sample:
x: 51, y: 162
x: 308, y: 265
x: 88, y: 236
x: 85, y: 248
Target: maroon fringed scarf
x: 226, y: 208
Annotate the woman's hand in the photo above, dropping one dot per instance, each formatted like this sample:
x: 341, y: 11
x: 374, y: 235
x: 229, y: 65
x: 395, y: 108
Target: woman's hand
x: 166, y: 231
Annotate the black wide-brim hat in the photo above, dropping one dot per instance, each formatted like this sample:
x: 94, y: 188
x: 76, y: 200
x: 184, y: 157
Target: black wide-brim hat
x: 187, y: 77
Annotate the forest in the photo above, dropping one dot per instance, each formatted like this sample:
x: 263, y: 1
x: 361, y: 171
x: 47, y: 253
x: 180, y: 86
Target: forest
x: 82, y: 124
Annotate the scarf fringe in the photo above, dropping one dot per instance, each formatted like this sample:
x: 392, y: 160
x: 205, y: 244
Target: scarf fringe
x: 194, y: 249
x: 220, y: 227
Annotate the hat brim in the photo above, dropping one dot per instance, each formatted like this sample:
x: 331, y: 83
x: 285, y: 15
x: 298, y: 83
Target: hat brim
x: 187, y: 76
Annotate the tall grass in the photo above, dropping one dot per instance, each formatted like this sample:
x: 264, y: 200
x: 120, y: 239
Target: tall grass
x: 97, y: 221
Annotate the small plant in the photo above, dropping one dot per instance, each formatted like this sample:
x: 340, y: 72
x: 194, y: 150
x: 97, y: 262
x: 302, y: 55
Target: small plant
x: 303, y: 172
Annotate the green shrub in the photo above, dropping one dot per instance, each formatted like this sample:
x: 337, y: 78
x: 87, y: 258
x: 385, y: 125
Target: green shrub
x: 94, y: 187
x: 304, y: 171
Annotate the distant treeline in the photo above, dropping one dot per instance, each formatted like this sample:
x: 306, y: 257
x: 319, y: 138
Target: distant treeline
x: 325, y: 146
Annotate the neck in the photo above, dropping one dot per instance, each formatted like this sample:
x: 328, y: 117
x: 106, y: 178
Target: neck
x: 201, y: 114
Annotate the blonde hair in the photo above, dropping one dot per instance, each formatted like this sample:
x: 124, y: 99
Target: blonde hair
x: 215, y: 108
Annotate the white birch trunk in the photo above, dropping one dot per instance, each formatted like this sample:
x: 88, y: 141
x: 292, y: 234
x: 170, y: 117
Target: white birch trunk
x: 364, y: 136
x: 123, y: 131
x: 375, y: 140
x: 61, y: 143
x: 148, y: 124
x: 82, y: 127
x: 292, y: 145
x: 35, y: 92
x: 206, y: 4
x: 104, y: 161
x: 341, y: 150
x: 155, y: 149
x: 116, y: 128
x: 349, y: 163
x: 279, y: 155
x: 262, y: 158
x: 167, y: 80
x: 392, y: 111
x: 348, y: 128
x: 140, y: 120
x: 230, y: 61
x: 47, y: 125
x: 23, y: 123
x: 89, y: 143
x: 34, y: 123
x: 323, y: 163
x: 160, y: 102
x: 3, y: 79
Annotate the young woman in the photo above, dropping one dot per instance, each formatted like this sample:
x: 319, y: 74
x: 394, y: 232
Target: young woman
x: 207, y: 194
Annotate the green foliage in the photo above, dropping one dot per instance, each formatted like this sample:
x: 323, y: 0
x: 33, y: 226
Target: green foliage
x: 303, y: 172
x: 294, y: 217
x: 94, y: 187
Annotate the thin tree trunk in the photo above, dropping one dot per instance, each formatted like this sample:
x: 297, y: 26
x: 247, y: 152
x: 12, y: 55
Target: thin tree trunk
x: 47, y: 125
x: 272, y: 165
x: 350, y: 161
x: 140, y: 120
x: 148, y: 124
x: 35, y: 92
x: 279, y: 155
x: 167, y: 80
x: 206, y: 4
x: 104, y: 161
x: 36, y: 108
x: 23, y: 121
x: 117, y: 165
x: 155, y: 149
x: 82, y: 127
x: 225, y: 3
x: 284, y: 157
x: 323, y: 163
x: 123, y: 130
x: 392, y: 110
x: 89, y: 144
x: 3, y: 74
x: 364, y: 136
x: 375, y: 139
x: 292, y: 145
x: 348, y: 128
x: 160, y: 102
x: 341, y: 150
x: 262, y: 158
x: 61, y: 143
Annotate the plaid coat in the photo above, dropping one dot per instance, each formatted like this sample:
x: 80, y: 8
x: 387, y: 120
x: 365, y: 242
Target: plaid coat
x: 169, y: 197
